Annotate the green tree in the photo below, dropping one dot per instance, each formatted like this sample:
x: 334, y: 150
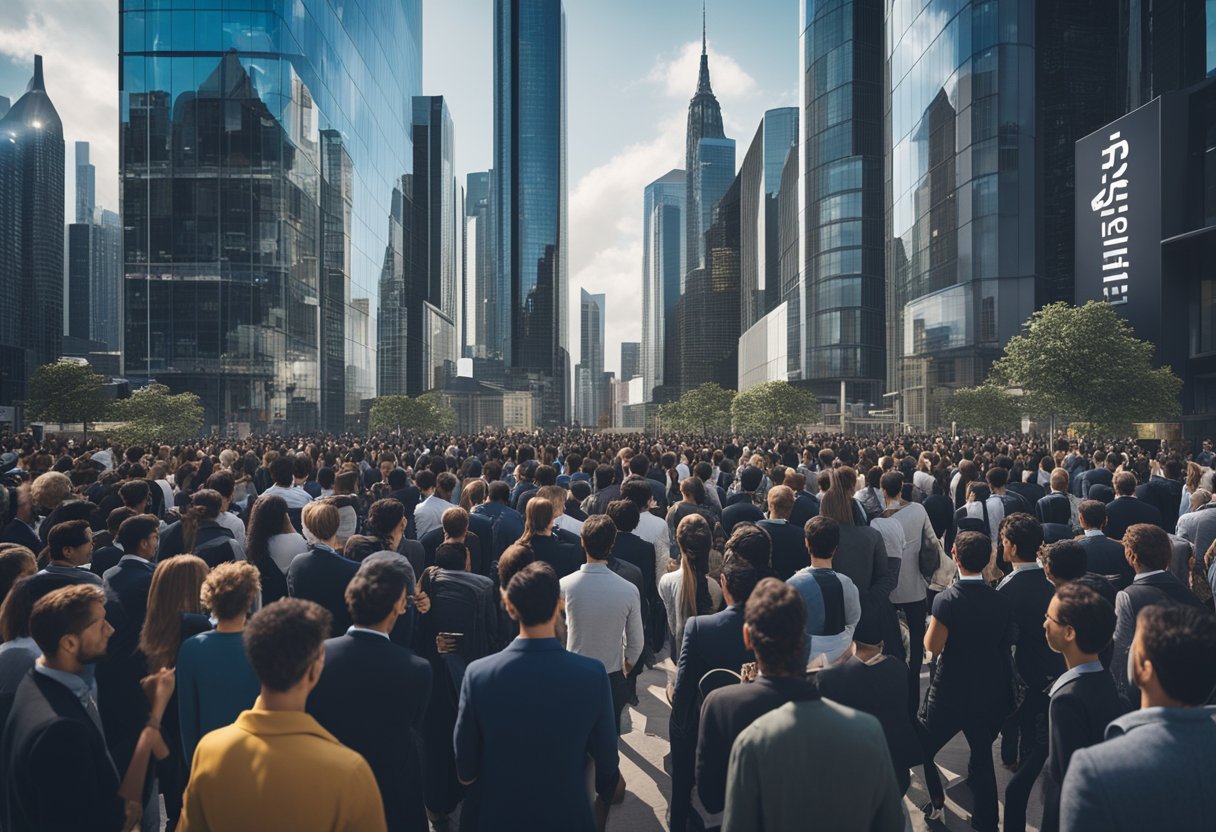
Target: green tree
x: 153, y: 414
x: 704, y: 409
x: 427, y: 413
x: 772, y: 407
x: 985, y: 409
x: 1085, y: 363
x: 66, y: 392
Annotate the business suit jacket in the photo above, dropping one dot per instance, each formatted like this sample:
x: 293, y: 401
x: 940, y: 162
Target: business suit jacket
x: 1166, y: 496
x: 529, y: 716
x: 565, y: 558
x: 483, y: 527
x: 740, y: 512
x: 1054, y: 508
x: 17, y: 532
x: 1096, y: 476
x: 1199, y: 528
x: 130, y: 581
x: 710, y: 641
x: 631, y: 549
x: 321, y: 575
x: 805, y: 507
x: 1106, y: 557
x: 57, y: 774
x: 372, y: 696
x: 1111, y: 786
x: 507, y: 525
x: 1123, y: 512
x: 789, y: 547
x: 726, y: 712
x: 879, y: 688
x: 1029, y: 592
x: 1076, y: 718
x: 1161, y: 588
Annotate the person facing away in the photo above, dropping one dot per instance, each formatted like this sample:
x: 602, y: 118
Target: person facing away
x: 1127, y: 509
x: 321, y: 574
x: 789, y: 548
x: 970, y: 632
x: 529, y: 718
x: 372, y: 693
x: 1104, y: 556
x: 1167, y: 749
x: 1058, y: 506
x: 306, y: 779
x: 130, y: 579
x: 1079, y: 623
x: 832, y: 599
x: 603, y: 611
x: 810, y: 762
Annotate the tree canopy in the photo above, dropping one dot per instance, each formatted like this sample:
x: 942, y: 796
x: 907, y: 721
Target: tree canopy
x: 426, y: 413
x: 986, y: 409
x: 66, y: 392
x: 773, y: 406
x: 704, y: 409
x: 153, y: 414
x: 1085, y: 363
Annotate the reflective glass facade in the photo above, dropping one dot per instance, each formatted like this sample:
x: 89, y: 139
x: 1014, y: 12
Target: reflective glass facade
x: 530, y: 198
x: 263, y: 148
x: 592, y: 383
x: 760, y: 189
x: 663, y: 267
x: 704, y: 122
x: 481, y: 277
x: 842, y: 301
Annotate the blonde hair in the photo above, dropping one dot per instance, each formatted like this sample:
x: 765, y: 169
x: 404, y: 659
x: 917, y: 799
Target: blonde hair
x: 321, y: 519
x: 50, y: 489
x: 472, y: 493
x: 177, y: 586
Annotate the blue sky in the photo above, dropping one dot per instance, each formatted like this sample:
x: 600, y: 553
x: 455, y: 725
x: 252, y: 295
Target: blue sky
x: 631, y: 67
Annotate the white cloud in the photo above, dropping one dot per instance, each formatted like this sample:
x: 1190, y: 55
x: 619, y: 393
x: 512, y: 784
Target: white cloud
x: 678, y: 75
x: 78, y: 40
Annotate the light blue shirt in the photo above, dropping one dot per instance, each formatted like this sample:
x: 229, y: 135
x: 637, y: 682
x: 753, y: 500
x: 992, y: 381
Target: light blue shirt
x: 84, y: 689
x: 1094, y: 533
x: 1072, y: 673
x: 355, y: 629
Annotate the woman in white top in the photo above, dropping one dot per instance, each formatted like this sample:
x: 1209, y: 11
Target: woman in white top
x: 689, y: 590
x: 271, y: 544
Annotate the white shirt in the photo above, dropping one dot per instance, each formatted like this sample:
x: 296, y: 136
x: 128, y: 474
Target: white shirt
x: 294, y: 496
x: 603, y: 616
x: 569, y: 524
x: 233, y: 524
x: 669, y: 592
x: 429, y: 514
x: 356, y: 629
x: 285, y: 547
x: 655, y: 532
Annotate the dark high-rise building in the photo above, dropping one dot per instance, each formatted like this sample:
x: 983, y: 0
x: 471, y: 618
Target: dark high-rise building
x: 31, y: 237
x: 94, y: 268
x: 80, y: 276
x: 482, y: 278
x: 663, y: 269
x: 707, y: 179
x: 591, y: 382
x: 841, y: 315
x: 86, y: 184
x: 530, y: 199
x: 984, y: 104
x: 789, y: 265
x: 631, y: 360
x: 760, y: 188
x: 1163, y: 45
x: 262, y: 156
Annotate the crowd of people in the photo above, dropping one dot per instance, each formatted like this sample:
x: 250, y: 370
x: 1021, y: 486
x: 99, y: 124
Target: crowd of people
x: 432, y: 632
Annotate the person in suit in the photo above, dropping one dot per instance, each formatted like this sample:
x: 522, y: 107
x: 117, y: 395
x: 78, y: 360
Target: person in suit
x: 1079, y: 625
x: 454, y: 528
x: 506, y: 522
x: 107, y: 556
x: 1058, y: 506
x: 774, y: 625
x: 131, y: 579
x: 710, y: 641
x: 970, y: 632
x: 321, y: 574
x: 20, y: 529
x: 1126, y: 509
x: 1103, y: 473
x: 1168, y: 747
x: 406, y: 493
x: 1103, y: 555
x: 1024, y: 740
x: 1198, y: 527
x: 200, y: 533
x: 806, y: 505
x: 1065, y: 562
x: 304, y: 772
x: 1148, y: 551
x: 525, y: 754
x: 538, y: 533
x: 372, y: 694
x: 789, y: 545
x: 1164, y: 491
x: 741, y: 506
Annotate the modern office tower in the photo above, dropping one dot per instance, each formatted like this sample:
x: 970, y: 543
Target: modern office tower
x: 482, y: 278
x: 530, y: 199
x: 86, y: 184
x: 31, y: 237
x: 707, y: 320
x: 105, y: 287
x: 760, y: 188
x: 984, y: 105
x: 1163, y: 45
x: 79, y: 265
x: 663, y: 269
x: 789, y: 265
x: 94, y: 268
x: 631, y: 360
x: 840, y: 315
x: 434, y: 280
x: 251, y: 141
x: 704, y: 122
x: 590, y: 378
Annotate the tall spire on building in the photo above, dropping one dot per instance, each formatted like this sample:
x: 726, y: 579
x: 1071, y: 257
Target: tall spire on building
x: 703, y: 77
x: 36, y: 83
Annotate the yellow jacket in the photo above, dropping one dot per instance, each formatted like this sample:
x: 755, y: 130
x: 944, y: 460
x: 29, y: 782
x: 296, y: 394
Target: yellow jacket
x: 274, y: 770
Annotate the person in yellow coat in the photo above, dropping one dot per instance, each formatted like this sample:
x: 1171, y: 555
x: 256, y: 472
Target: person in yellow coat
x: 276, y: 767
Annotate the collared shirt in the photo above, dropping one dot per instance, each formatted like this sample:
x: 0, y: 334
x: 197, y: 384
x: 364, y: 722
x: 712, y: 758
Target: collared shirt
x: 137, y: 559
x: 603, y: 616
x: 1072, y: 673
x: 1094, y: 533
x: 963, y: 577
x: 293, y: 495
x: 1018, y: 567
x: 83, y: 689
x: 357, y: 629
x: 1143, y: 575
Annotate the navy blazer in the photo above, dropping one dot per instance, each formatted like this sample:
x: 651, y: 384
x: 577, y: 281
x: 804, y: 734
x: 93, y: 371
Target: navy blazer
x: 1106, y: 557
x: 1166, y: 496
x: 565, y: 558
x: 880, y: 689
x: 1095, y: 476
x: 130, y: 581
x: 710, y: 641
x: 321, y: 575
x: 805, y: 507
x: 1029, y: 592
x: 740, y: 512
x: 1123, y: 512
x: 789, y: 548
x: 529, y: 716
x: 1161, y: 588
x: 1054, y: 508
x: 57, y: 772
x: 372, y: 696
x: 21, y: 534
x: 507, y: 525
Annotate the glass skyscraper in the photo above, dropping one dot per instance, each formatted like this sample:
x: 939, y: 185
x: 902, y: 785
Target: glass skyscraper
x: 663, y: 267
x: 264, y: 145
x: 840, y: 306
x: 31, y: 237
x: 481, y: 277
x: 760, y: 188
x: 714, y: 173
x: 591, y: 381
x: 530, y: 199
x: 704, y: 122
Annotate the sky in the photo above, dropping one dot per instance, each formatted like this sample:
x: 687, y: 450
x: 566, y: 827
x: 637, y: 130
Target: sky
x: 631, y: 66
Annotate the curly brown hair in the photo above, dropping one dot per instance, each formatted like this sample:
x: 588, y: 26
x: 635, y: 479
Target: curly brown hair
x: 230, y: 589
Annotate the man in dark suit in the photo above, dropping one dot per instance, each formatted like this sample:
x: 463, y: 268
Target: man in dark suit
x: 710, y: 641
x: 321, y: 574
x: 507, y: 523
x: 524, y: 472
x: 1056, y: 507
x: 1148, y: 551
x: 639, y: 466
x: 1164, y: 492
x: 774, y: 627
x: 740, y: 507
x: 406, y: 493
x: 1064, y: 563
x: 525, y: 754
x: 131, y: 578
x: 1079, y: 624
x: 631, y: 549
x: 1103, y: 472
x: 1126, y: 509
x: 454, y: 528
x: 20, y: 529
x: 1029, y: 592
x: 789, y: 543
x: 372, y: 693
x: 806, y: 505
x: 1103, y: 555
x: 58, y: 772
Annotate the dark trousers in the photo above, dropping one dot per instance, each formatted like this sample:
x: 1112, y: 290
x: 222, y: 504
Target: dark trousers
x: 941, y: 725
x: 621, y: 690
x: 914, y: 612
x: 1031, y: 720
x: 683, y: 777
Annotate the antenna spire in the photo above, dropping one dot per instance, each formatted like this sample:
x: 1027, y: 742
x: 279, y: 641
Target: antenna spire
x: 702, y: 27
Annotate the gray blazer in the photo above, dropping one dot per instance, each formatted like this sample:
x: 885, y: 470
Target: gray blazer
x: 1152, y: 772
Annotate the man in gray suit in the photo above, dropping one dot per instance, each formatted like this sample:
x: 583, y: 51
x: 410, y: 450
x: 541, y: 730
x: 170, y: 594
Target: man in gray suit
x: 1167, y: 749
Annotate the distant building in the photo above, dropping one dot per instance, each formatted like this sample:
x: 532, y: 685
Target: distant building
x: 631, y: 353
x: 592, y: 386
x: 663, y: 267
x: 480, y: 273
